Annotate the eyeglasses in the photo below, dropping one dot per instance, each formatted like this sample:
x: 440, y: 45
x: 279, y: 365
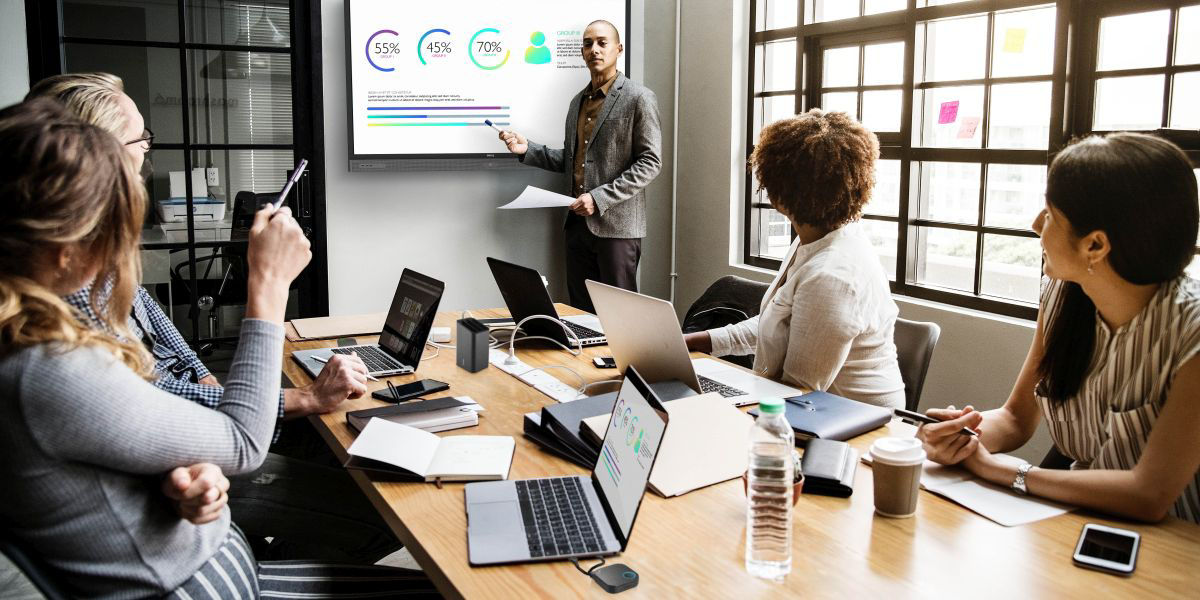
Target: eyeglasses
x: 147, y: 137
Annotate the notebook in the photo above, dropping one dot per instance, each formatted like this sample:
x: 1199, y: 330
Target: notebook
x: 832, y: 417
x: 437, y: 414
x: 410, y: 452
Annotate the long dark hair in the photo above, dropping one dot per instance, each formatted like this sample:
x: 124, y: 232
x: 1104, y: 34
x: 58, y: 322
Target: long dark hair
x: 1141, y: 192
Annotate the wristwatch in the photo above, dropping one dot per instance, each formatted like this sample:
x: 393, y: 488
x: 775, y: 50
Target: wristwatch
x: 1018, y: 484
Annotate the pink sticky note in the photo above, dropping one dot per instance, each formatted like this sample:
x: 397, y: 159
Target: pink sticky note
x: 967, y: 130
x: 949, y: 112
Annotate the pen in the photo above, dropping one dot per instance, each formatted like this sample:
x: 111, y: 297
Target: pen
x: 909, y: 415
x: 322, y: 359
x: 489, y: 123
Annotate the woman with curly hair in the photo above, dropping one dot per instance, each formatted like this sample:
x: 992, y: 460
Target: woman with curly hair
x: 826, y: 321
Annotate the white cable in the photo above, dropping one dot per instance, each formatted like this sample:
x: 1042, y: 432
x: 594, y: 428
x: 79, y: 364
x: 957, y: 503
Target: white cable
x: 583, y: 390
x: 512, y: 350
x: 436, y: 351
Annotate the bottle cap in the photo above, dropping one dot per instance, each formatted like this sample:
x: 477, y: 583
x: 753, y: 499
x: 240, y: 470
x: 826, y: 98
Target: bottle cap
x: 770, y: 406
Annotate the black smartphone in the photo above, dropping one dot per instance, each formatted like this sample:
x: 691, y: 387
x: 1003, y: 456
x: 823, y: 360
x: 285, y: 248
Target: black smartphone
x: 604, y: 362
x: 411, y: 390
x: 1108, y: 549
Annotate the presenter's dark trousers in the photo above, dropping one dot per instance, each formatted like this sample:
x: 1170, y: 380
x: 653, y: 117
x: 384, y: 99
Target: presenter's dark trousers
x: 608, y: 260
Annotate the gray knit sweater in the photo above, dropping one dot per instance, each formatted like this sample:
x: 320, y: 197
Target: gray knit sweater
x: 86, y: 442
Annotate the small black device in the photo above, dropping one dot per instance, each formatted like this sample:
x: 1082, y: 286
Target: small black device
x: 615, y: 578
x: 411, y: 390
x: 474, y: 342
x: 1107, y: 549
x: 916, y: 418
x: 604, y: 362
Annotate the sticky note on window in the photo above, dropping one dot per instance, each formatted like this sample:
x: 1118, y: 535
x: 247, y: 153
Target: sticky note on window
x: 948, y: 113
x: 966, y: 131
x: 1014, y: 40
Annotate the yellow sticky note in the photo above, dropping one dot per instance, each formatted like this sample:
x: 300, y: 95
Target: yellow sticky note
x: 1014, y: 40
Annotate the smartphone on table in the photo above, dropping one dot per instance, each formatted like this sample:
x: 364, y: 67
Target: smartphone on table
x: 410, y: 390
x: 1107, y: 549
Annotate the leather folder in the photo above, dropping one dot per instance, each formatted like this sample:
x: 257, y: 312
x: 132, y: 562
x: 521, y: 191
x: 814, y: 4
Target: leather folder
x: 829, y: 468
x: 831, y: 417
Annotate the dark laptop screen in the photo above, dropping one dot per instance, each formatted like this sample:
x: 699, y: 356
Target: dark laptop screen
x: 411, y: 316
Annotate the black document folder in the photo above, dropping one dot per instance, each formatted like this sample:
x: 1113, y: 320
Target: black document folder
x: 831, y: 417
x: 829, y: 467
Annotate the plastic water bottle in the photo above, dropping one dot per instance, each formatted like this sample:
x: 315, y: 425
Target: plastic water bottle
x: 769, y: 490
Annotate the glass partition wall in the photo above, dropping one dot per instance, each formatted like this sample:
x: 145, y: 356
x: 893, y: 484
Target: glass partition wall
x: 227, y: 92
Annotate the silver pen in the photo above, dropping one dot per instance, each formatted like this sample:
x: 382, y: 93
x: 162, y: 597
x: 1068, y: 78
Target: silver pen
x: 322, y: 359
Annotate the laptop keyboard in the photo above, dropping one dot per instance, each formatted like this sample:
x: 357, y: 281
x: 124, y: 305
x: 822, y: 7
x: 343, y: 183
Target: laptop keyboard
x: 711, y: 385
x: 583, y: 332
x: 375, y: 360
x: 558, y: 520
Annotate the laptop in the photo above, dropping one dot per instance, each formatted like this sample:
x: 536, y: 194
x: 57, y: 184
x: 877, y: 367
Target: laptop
x: 404, y: 331
x: 525, y: 294
x: 554, y: 518
x: 644, y: 332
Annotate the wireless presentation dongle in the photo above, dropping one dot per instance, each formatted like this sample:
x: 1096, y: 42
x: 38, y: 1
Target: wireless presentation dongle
x: 615, y: 578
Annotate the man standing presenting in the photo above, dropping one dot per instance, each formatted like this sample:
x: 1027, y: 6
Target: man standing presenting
x: 611, y: 152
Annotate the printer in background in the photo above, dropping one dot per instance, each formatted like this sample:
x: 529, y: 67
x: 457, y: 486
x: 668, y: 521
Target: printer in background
x: 204, y: 207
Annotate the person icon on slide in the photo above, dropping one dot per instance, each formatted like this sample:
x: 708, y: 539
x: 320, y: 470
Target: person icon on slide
x: 538, y: 53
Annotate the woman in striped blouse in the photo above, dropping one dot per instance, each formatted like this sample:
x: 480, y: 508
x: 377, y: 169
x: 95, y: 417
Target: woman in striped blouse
x: 1113, y: 366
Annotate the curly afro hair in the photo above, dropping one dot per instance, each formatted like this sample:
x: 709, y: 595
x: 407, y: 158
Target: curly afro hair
x: 817, y: 168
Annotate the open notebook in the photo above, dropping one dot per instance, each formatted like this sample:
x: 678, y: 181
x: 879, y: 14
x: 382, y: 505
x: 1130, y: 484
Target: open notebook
x: 412, y: 453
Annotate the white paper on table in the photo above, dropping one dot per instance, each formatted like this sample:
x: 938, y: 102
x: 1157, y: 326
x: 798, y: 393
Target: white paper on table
x: 406, y: 447
x: 534, y: 197
x: 994, y: 502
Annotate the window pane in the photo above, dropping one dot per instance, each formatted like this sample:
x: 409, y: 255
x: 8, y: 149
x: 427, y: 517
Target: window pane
x: 946, y: 257
x: 774, y: 233
x: 1129, y: 103
x: 886, y: 198
x: 1015, y: 194
x: 148, y: 20
x: 776, y: 66
x: 954, y: 49
x: 883, y: 64
x: 938, y: 2
x: 881, y: 110
x: 1020, y: 116
x: 1012, y: 267
x: 1133, y: 41
x: 883, y: 237
x: 770, y: 109
x: 257, y: 23
x: 839, y: 67
x: 774, y: 14
x: 1185, y: 101
x: 832, y: 10
x: 241, y: 97
x: 1187, y: 48
x: 950, y: 191
x: 1024, y: 43
x: 151, y: 77
x: 846, y: 102
x: 950, y: 117
x: 1193, y: 269
x: 881, y: 6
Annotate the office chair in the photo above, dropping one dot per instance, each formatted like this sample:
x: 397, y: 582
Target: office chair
x: 914, y: 348
x: 37, y: 572
x: 728, y: 300
x: 1055, y: 459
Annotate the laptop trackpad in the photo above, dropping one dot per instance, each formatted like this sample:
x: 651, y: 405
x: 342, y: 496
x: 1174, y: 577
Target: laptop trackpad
x: 496, y: 519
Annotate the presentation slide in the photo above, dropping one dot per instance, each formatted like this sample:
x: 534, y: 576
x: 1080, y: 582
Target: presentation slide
x: 424, y: 76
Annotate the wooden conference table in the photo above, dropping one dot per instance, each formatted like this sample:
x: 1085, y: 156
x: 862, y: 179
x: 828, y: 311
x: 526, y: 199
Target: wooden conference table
x: 693, y: 545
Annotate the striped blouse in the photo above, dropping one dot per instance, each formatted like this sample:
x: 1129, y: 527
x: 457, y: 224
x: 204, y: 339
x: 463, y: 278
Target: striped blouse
x: 1106, y: 425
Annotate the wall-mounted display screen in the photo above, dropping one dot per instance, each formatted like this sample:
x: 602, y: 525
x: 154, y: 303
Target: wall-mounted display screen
x: 423, y: 77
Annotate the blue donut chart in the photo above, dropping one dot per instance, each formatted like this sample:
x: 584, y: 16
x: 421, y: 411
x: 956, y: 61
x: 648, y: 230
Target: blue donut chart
x: 422, y: 41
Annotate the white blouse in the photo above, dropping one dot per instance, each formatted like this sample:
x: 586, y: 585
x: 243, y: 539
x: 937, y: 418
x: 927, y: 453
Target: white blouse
x: 826, y: 323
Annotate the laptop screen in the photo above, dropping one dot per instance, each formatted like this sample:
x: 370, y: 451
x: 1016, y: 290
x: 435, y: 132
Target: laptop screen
x: 631, y: 442
x: 411, y: 316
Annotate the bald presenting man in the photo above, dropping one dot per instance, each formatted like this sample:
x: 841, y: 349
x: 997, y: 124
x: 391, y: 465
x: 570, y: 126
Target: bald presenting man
x: 611, y: 152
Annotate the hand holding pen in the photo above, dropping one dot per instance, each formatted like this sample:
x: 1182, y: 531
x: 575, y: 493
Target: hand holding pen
x: 952, y: 436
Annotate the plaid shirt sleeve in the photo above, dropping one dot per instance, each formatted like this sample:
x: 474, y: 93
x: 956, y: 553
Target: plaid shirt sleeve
x: 170, y: 337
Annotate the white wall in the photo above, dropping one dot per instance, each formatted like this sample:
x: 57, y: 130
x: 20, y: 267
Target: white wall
x: 978, y: 355
x: 445, y: 223
x: 14, y: 53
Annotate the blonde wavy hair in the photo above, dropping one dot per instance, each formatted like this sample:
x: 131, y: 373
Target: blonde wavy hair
x: 65, y: 182
x: 93, y: 97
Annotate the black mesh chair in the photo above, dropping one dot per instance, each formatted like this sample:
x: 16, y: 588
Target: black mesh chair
x: 728, y: 300
x: 31, y: 566
x: 915, y: 342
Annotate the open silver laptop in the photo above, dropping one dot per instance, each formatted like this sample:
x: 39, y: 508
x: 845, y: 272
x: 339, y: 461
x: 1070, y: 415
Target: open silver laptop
x: 563, y: 517
x: 405, y: 331
x: 644, y: 332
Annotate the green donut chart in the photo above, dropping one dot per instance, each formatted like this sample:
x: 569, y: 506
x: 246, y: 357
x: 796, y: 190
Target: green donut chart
x: 471, y: 50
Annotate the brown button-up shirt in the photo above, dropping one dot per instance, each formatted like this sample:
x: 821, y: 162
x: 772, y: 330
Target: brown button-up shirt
x: 589, y: 113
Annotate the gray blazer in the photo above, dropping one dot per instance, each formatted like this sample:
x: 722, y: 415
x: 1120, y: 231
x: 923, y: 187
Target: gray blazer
x: 623, y: 156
